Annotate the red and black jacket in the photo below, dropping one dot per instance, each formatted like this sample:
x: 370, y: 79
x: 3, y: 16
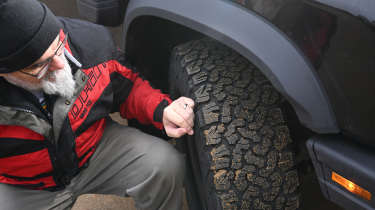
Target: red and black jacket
x: 41, y: 152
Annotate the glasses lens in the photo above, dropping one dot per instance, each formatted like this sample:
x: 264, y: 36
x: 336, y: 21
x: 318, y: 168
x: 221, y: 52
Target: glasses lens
x: 43, y: 71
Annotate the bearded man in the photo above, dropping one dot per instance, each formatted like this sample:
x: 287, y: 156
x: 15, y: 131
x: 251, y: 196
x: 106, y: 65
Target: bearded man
x: 59, y: 80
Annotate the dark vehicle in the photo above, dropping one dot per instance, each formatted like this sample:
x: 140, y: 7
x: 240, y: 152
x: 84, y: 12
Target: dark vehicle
x: 268, y: 77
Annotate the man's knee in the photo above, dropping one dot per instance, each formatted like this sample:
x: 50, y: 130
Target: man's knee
x: 167, y: 162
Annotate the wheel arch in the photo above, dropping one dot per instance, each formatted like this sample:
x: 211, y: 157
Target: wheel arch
x: 247, y: 33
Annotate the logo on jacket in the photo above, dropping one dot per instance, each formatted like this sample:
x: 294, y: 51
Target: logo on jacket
x: 84, y: 101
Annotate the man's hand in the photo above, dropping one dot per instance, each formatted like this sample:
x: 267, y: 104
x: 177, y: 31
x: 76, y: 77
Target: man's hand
x: 178, y: 117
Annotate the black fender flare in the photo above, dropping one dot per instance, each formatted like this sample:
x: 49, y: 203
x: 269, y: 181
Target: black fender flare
x: 256, y: 39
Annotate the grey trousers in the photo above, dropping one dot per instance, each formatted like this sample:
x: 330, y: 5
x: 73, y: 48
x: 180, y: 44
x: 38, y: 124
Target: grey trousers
x: 126, y: 162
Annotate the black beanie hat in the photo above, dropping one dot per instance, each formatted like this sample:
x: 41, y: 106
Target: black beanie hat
x: 27, y: 29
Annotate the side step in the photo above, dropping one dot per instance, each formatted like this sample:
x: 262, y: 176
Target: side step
x: 345, y: 170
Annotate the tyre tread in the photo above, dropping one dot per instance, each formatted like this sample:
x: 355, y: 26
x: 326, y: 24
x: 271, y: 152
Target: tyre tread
x: 246, y: 139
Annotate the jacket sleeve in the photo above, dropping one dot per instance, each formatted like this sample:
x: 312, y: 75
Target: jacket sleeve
x: 135, y: 96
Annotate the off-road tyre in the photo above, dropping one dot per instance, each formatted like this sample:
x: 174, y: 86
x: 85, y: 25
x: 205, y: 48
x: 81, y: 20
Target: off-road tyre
x: 240, y: 154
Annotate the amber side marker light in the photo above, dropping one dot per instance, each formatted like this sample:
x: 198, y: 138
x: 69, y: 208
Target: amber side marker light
x: 351, y: 186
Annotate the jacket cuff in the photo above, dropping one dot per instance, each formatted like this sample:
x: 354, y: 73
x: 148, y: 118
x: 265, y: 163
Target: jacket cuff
x: 158, y: 113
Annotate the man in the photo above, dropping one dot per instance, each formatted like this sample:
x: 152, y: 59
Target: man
x: 59, y: 80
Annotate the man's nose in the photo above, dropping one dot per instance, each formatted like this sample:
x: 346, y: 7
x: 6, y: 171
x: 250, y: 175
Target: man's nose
x: 56, y: 63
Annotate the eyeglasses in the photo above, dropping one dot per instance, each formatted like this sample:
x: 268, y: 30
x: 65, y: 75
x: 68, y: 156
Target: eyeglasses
x: 38, y: 70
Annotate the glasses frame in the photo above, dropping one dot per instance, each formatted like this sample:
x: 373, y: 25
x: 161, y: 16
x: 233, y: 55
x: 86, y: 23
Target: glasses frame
x: 44, y: 66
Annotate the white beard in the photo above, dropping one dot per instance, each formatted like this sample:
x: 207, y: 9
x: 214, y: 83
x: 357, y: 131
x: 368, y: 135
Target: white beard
x: 59, y: 82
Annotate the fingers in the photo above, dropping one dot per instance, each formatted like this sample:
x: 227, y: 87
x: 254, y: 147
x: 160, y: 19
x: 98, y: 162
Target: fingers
x: 185, y: 109
x: 175, y: 132
x: 186, y: 113
x: 190, y: 103
x: 178, y: 117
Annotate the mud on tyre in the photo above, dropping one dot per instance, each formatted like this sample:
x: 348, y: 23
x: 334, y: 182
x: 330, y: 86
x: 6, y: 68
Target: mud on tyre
x: 240, y: 156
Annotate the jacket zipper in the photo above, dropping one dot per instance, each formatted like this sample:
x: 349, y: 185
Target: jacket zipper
x: 50, y: 146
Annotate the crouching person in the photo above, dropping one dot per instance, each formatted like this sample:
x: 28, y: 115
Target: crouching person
x: 59, y: 80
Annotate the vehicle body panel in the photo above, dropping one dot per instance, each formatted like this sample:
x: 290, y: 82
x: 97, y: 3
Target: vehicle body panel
x: 350, y: 160
x: 340, y: 46
x: 257, y: 40
x: 319, y: 54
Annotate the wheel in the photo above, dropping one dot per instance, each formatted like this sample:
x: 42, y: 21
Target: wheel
x: 240, y: 156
